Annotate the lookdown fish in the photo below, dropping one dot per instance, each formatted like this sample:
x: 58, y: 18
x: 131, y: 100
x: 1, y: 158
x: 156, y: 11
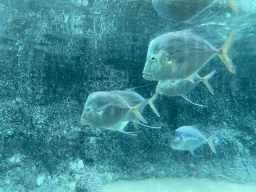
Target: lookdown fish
x: 115, y: 109
x: 182, y: 87
x: 179, y: 55
x: 189, y: 138
x: 185, y: 10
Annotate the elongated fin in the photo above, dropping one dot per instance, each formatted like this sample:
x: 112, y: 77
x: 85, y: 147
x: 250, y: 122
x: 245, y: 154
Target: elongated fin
x: 136, y: 110
x: 151, y: 104
x: 232, y: 5
x: 187, y: 99
x: 136, y: 122
x: 206, y: 81
x: 222, y: 53
x: 210, y: 141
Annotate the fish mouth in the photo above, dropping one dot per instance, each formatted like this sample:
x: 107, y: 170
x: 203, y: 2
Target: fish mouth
x: 147, y: 76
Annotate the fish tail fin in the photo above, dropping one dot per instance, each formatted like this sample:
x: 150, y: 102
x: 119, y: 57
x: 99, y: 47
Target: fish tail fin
x: 232, y: 5
x: 222, y: 52
x: 151, y: 104
x: 136, y: 110
x: 210, y: 141
x: 206, y: 81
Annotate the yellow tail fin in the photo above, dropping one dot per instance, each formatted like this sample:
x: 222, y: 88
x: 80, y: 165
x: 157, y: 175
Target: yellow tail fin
x: 151, y: 104
x: 222, y: 52
x: 136, y: 110
x: 210, y: 141
x: 206, y: 81
x: 232, y: 5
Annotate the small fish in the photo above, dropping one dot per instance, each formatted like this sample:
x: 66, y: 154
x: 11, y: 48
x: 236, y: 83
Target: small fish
x: 179, y: 55
x: 182, y: 87
x: 115, y: 109
x: 188, y: 138
x: 185, y: 10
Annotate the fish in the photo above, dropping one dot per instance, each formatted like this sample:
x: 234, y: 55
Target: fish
x: 180, y: 54
x: 182, y: 87
x: 115, y: 109
x: 189, y: 138
x: 185, y: 10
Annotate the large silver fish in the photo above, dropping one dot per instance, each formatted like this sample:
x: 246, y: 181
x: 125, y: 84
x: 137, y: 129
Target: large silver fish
x: 115, y: 109
x: 179, y: 55
x: 188, y: 138
x: 182, y: 87
x: 185, y: 10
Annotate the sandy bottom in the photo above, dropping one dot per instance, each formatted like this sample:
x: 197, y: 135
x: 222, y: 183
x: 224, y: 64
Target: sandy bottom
x: 177, y: 185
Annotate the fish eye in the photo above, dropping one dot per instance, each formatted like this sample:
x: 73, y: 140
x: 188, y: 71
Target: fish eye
x: 153, y: 58
x: 88, y: 109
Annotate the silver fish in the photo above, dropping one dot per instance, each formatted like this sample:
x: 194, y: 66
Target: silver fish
x: 179, y: 55
x: 188, y: 138
x: 182, y: 87
x: 115, y: 109
x: 185, y: 10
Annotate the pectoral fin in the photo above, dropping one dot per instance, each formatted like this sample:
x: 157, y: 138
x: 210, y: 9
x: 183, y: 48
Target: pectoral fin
x: 175, y: 57
x: 104, y: 107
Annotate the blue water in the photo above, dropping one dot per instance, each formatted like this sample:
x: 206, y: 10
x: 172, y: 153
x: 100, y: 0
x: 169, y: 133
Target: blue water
x: 54, y: 54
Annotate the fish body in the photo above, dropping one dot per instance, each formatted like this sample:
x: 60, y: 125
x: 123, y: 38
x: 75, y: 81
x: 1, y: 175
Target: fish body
x: 115, y: 109
x: 185, y: 10
x: 182, y: 87
x: 180, y: 54
x: 178, y: 87
x: 189, y: 138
